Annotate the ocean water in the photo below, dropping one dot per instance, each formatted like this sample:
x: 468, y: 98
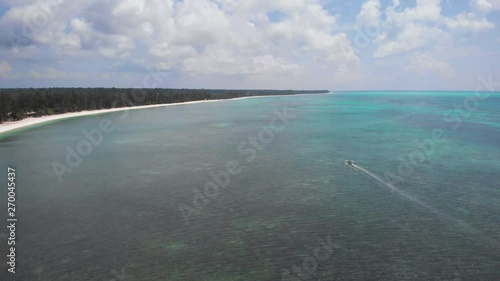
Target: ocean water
x: 141, y: 203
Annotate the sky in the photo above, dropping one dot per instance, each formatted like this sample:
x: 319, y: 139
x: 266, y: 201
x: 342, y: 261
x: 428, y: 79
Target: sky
x: 250, y: 44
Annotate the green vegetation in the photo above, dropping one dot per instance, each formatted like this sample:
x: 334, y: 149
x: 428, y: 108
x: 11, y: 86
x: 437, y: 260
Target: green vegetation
x: 17, y: 104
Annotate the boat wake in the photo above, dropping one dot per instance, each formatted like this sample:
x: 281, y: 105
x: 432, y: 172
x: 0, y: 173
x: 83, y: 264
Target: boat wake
x: 424, y: 205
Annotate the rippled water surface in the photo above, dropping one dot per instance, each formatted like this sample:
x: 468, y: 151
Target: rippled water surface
x: 143, y: 205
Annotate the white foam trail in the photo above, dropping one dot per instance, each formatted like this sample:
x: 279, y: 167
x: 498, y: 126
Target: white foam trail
x: 400, y: 192
x: 428, y: 207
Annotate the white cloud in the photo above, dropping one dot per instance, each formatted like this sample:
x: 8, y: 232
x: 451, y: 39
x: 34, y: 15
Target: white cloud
x: 485, y: 6
x: 409, y: 29
x: 424, y: 65
x: 51, y: 73
x: 482, y: 5
x: 201, y: 39
x: 345, y: 75
x: 423, y: 27
x: 27, y: 23
x: 226, y: 62
x: 5, y: 70
x: 425, y: 11
x: 468, y: 22
x: 105, y: 76
x: 311, y: 30
x: 369, y: 14
x: 412, y: 37
x: 192, y: 36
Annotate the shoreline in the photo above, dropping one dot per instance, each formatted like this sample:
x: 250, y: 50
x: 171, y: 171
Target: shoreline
x: 30, y: 121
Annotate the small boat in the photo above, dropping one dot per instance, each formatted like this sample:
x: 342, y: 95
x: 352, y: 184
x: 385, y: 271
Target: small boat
x: 349, y: 162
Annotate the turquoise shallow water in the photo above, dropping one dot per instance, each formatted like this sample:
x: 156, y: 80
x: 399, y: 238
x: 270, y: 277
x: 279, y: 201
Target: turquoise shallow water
x: 117, y: 212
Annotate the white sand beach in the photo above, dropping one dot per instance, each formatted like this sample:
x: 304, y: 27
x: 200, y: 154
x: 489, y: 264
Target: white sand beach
x: 12, y: 125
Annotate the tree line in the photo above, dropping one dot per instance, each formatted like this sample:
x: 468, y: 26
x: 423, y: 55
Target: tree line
x: 17, y: 104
